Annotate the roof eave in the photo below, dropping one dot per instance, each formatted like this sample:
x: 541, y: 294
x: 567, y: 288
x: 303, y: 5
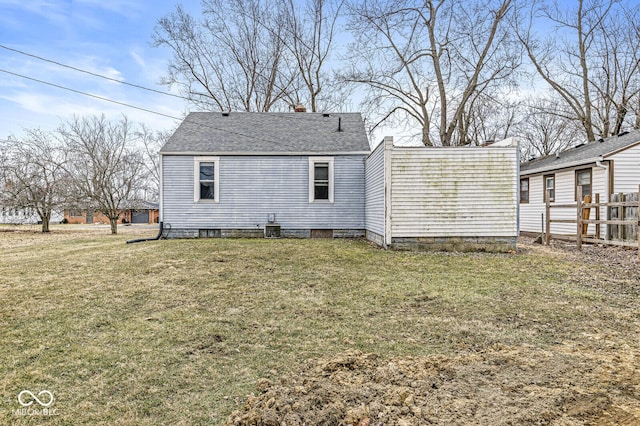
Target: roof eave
x: 561, y: 166
x: 609, y: 154
x: 263, y: 154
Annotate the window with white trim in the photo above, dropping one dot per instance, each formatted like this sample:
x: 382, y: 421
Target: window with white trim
x: 583, y: 180
x: 549, y: 187
x: 206, y: 175
x: 321, y: 179
x: 524, y: 190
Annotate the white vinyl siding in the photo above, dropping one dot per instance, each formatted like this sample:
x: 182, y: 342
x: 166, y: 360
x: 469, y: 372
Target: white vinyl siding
x: 374, y: 188
x: 454, y: 192
x: 626, y: 168
x: 531, y: 214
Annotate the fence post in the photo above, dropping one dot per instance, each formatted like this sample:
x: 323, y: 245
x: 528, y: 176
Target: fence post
x: 621, y: 217
x: 547, y: 223
x: 579, y: 219
x: 638, y: 233
x: 598, y: 236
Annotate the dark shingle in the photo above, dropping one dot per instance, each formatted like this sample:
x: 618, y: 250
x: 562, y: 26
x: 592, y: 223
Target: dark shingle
x: 269, y: 133
x: 583, y: 153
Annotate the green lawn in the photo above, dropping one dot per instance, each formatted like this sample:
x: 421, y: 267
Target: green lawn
x: 178, y: 332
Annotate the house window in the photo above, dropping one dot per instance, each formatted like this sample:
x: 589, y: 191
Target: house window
x: 583, y: 180
x: 550, y: 187
x: 206, y: 175
x: 524, y: 190
x: 75, y: 213
x: 321, y: 179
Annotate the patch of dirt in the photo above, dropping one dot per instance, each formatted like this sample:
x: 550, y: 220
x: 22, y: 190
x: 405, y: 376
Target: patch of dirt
x: 593, y: 381
x: 499, y: 386
x: 614, y: 270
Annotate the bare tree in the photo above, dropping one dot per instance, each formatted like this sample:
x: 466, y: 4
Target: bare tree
x: 589, y: 57
x: 309, y: 36
x: 490, y: 120
x: 32, y: 175
x: 231, y: 59
x: 106, y: 170
x: 425, y: 61
x: 151, y: 143
x: 545, y: 128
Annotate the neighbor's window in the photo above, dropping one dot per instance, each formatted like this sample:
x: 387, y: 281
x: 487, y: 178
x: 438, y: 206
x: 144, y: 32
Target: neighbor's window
x: 550, y: 187
x: 321, y: 179
x: 206, y: 177
x: 75, y: 213
x: 524, y: 190
x: 583, y: 180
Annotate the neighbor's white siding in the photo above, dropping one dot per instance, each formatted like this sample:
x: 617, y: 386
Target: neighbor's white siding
x: 626, y: 169
x: 454, y: 192
x: 565, y: 181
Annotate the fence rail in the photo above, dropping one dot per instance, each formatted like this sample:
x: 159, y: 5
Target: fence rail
x: 622, y: 220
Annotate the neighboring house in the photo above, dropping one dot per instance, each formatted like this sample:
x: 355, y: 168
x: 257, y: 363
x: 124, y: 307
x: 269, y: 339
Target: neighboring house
x: 314, y: 175
x: 27, y: 216
x: 241, y: 174
x: 462, y: 198
x: 138, y: 212
x: 603, y: 167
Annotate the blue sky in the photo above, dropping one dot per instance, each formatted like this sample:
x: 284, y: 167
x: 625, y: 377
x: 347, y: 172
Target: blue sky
x: 108, y: 37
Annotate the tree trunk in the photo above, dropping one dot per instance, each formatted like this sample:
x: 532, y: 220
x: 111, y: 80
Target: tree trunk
x: 426, y: 138
x: 46, y: 218
x: 114, y: 225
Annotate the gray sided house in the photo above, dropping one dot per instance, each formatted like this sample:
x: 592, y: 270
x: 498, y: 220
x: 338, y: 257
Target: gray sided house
x: 265, y: 174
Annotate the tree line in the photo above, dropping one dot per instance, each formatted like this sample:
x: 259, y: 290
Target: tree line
x: 460, y: 71
x: 88, y: 162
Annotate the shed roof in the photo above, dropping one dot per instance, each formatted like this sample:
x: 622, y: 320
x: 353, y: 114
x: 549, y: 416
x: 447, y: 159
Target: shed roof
x: 268, y: 133
x: 582, y: 154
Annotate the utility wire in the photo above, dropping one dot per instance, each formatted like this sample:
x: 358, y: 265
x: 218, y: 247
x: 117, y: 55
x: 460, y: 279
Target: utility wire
x: 115, y: 80
x: 102, y: 98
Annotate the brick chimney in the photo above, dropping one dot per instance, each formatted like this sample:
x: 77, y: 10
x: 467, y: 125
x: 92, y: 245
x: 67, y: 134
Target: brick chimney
x: 299, y: 108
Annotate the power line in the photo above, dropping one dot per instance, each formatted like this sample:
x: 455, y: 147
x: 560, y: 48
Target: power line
x: 115, y: 80
x: 102, y: 98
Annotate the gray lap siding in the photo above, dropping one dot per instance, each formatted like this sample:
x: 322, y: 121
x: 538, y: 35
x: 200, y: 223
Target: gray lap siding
x: 253, y: 187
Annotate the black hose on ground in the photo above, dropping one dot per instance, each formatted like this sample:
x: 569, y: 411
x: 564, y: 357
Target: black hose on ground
x: 157, y: 237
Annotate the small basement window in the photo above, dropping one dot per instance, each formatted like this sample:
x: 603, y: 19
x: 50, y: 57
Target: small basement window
x: 321, y: 179
x: 524, y: 190
x: 206, y: 175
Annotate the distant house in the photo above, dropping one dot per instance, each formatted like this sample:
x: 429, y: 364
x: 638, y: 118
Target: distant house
x: 314, y: 175
x: 604, y: 167
x: 136, y: 212
x: 28, y: 216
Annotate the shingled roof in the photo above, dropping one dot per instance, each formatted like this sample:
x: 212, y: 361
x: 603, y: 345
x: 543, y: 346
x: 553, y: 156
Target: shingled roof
x: 268, y: 134
x: 582, y: 154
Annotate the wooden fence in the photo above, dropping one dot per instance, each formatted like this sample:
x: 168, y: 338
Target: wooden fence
x: 622, y: 220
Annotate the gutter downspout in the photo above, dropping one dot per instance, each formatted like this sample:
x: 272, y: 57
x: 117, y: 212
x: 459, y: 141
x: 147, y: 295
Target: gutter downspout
x: 601, y: 165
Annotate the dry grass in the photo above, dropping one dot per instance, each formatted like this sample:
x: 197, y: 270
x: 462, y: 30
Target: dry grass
x: 177, y: 332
